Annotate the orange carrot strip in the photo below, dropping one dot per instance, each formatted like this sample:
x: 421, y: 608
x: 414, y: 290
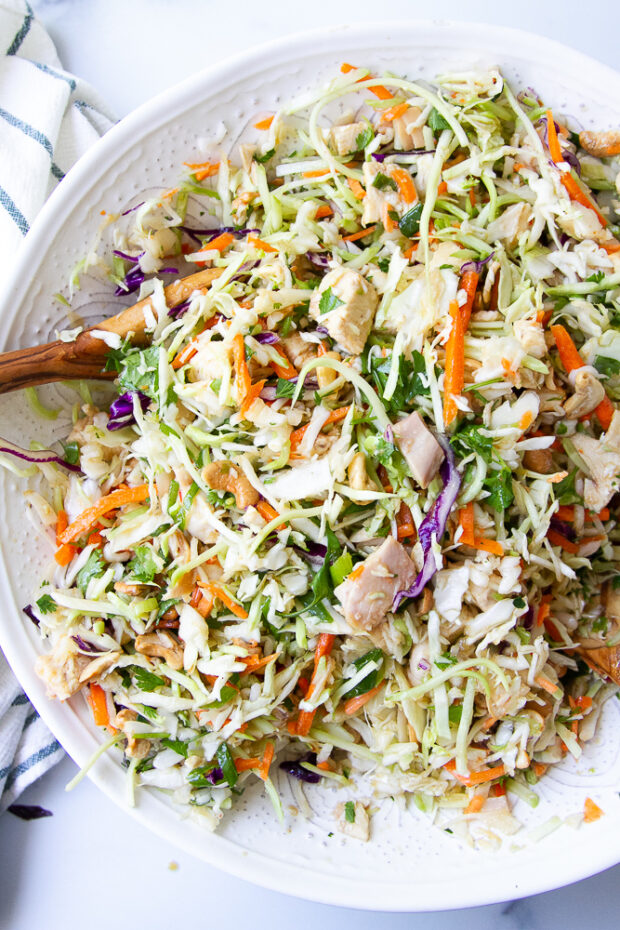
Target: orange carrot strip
x: 395, y: 112
x: 320, y: 173
x: 352, y: 706
x: 359, y: 235
x: 266, y: 511
x: 455, y: 364
x: 405, y: 183
x: 264, y: 123
x: 466, y: 520
x: 356, y: 188
x: 99, y: 705
x: 488, y: 545
x: 324, y: 646
x: 386, y: 219
x: 345, y: 67
x: 475, y: 805
x: 255, y: 663
x: 219, y: 243
x: 218, y: 591
x: 251, y: 396
x: 381, y: 92
x: 184, y: 356
x: 469, y: 283
x: 244, y: 765
x: 323, y: 211
x: 204, y: 169
x: 259, y: 244
x: 569, y: 356
x: 539, y: 769
x: 356, y: 573
x: 605, y: 412
x: 64, y: 553
x: 591, y: 811
x: 118, y: 498
x: 442, y: 187
x: 554, y: 145
x: 546, y: 685
x: 286, y: 370
x: 243, y: 382
x: 263, y: 770
x: 575, y: 193
x: 475, y: 778
x: 556, y: 539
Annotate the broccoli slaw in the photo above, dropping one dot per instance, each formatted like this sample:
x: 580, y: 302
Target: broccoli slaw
x: 352, y: 510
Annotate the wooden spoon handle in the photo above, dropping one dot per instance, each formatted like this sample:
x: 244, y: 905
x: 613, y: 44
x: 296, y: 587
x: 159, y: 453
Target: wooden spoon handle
x: 85, y: 357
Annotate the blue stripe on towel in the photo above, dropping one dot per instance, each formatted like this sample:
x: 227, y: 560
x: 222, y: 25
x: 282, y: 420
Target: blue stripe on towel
x: 16, y: 215
x: 22, y: 33
x: 31, y: 761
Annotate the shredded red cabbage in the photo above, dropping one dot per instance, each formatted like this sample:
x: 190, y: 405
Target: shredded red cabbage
x: 314, y: 552
x: 298, y: 771
x: 476, y: 266
x: 434, y: 524
x: 381, y: 156
x: 318, y: 259
x: 85, y: 646
x: 29, y: 811
x: 121, y: 409
x: 267, y: 338
x: 564, y: 528
x: 30, y: 614
x: 37, y: 458
x: 131, y: 209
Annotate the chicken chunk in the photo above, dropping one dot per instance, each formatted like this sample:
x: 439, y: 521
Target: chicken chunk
x: 161, y: 645
x: 62, y: 668
x: 406, y: 135
x: 351, y: 319
x: 368, y: 593
x: 382, y: 193
x: 581, y: 223
x: 604, y: 660
x: 510, y: 226
x: 297, y: 350
x: 589, y: 392
x: 531, y: 336
x: 344, y: 138
x: 421, y: 450
x: 353, y: 820
x: 602, y: 457
x: 223, y: 476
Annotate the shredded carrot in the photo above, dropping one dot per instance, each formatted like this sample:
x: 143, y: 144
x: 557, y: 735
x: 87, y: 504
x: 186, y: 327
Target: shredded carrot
x: 320, y: 173
x: 381, y: 92
x: 611, y: 247
x: 386, y: 219
x: 264, y: 123
x: 345, y: 67
x: 605, y: 412
x: 354, y: 704
x: 442, y: 187
x: 556, y: 539
x: 184, y: 356
x: 591, y: 811
x: 243, y: 382
x: 260, y: 244
x: 554, y: 144
x: 64, y: 553
x: 324, y: 766
x: 303, y: 684
x: 488, y: 545
x: 546, y: 685
x: 219, y: 243
x: 112, y: 501
x: 526, y: 420
x: 245, y: 765
x: 204, y: 169
x: 539, y: 769
x: 218, y: 591
x: 356, y: 188
x: 475, y: 778
x: 323, y: 211
x: 286, y: 370
x: 324, y: 646
x: 205, y: 604
x: 251, y: 396
x: 256, y: 663
x: 455, y: 364
x: 489, y: 722
x: 266, y: 761
x: 95, y: 539
x: 405, y: 183
x: 498, y: 790
x: 359, y: 235
x: 569, y: 356
x: 335, y: 416
x: 394, y: 112
x: 99, y: 705
x: 356, y: 573
x: 575, y: 193
x: 475, y: 805
x: 466, y: 521
x: 266, y: 511
x: 408, y: 253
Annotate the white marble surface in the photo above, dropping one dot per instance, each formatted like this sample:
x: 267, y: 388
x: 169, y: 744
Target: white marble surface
x: 89, y: 865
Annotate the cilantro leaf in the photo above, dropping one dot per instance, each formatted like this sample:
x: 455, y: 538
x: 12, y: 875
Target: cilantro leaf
x: 382, y: 181
x: 263, y: 159
x: 349, y: 812
x: 46, y: 604
x: 143, y: 565
x: 436, y: 121
x: 93, y: 568
x: 565, y: 491
x: 227, y: 765
x: 364, y: 139
x: 469, y: 439
x: 72, y: 452
x: 285, y: 388
x: 145, y: 680
x: 373, y: 678
x: 140, y: 372
x: 329, y: 302
x: 607, y: 365
x: 177, y: 744
x: 409, y: 382
x: 499, y: 484
x: 409, y: 224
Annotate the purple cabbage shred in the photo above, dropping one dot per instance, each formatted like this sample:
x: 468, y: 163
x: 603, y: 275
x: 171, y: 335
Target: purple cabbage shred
x: 30, y: 614
x: 381, y: 156
x: 36, y: 458
x: 121, y: 409
x: 434, y: 524
x: 298, y: 771
x: 476, y: 266
x: 29, y: 811
x: 267, y: 338
x: 85, y: 646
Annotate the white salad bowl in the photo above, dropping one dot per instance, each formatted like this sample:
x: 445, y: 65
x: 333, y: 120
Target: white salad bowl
x: 409, y: 864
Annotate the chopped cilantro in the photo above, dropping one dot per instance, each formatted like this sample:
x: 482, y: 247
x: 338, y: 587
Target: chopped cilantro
x: 436, y: 121
x: 329, y: 302
x: 93, y: 568
x: 46, y: 604
x: 382, y: 181
x: 349, y: 812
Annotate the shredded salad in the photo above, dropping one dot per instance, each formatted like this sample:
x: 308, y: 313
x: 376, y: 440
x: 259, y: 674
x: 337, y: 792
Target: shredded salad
x: 353, y: 511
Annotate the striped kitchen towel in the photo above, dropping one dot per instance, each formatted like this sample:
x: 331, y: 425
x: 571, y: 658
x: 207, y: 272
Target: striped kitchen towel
x: 48, y: 118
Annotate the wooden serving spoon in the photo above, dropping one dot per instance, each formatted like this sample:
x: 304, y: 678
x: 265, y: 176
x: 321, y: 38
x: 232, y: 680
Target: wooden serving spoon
x: 85, y: 356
